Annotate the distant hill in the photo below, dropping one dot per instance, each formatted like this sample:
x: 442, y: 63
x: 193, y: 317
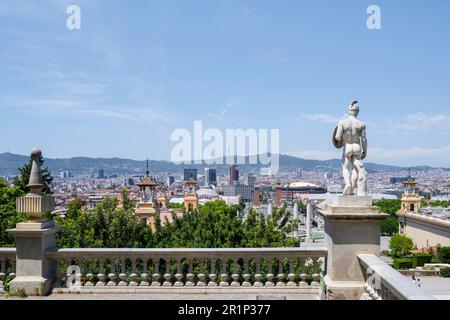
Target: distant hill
x: 83, y: 165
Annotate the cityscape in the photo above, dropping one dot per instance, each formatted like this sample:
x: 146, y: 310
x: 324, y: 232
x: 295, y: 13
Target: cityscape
x: 196, y: 150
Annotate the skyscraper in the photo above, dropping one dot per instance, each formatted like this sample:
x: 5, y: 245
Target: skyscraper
x: 170, y: 180
x: 234, y: 173
x: 210, y: 177
x: 190, y: 173
x: 101, y: 174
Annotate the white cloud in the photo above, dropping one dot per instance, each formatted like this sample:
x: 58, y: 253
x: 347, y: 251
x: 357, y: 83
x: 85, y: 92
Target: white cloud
x: 439, y: 157
x: 321, y: 117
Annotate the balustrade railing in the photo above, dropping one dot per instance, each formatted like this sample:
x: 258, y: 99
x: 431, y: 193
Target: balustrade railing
x: 7, y: 266
x: 385, y: 283
x: 204, y: 268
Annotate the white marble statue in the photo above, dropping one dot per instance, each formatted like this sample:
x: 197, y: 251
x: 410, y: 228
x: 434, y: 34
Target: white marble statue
x: 350, y: 134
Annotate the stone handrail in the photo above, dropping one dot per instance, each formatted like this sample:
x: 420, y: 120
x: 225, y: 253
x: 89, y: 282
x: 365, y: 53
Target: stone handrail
x: 385, y: 283
x: 7, y: 265
x: 165, y: 268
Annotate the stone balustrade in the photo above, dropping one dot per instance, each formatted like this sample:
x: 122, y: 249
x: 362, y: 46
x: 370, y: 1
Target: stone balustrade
x: 385, y: 283
x: 7, y: 265
x: 198, y: 268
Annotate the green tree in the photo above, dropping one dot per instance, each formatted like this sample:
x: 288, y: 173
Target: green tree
x: 22, y: 180
x: 400, y: 245
x: 8, y: 215
x: 389, y: 226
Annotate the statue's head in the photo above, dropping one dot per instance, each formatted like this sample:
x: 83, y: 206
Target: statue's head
x: 353, y: 109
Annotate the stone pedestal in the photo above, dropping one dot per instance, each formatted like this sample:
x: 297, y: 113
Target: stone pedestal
x: 34, y: 273
x: 352, y: 227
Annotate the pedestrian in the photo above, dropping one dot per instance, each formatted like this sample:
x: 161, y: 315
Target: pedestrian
x: 413, y: 279
x: 418, y: 282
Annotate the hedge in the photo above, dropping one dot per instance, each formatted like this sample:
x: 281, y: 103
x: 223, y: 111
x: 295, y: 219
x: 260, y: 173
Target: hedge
x: 402, y: 263
x: 420, y: 259
x: 445, y: 272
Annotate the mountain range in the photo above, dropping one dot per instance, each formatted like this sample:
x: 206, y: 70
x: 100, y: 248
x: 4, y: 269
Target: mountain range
x: 9, y: 164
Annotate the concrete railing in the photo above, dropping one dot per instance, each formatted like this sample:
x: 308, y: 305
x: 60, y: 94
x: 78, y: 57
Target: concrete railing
x: 385, y: 283
x: 7, y: 265
x: 199, y: 268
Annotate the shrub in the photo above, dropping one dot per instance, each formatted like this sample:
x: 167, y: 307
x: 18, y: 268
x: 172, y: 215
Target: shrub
x: 445, y: 272
x: 420, y: 259
x: 444, y: 254
x: 402, y: 263
x: 400, y: 245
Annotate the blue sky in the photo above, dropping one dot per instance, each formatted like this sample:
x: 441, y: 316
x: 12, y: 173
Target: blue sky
x: 137, y: 70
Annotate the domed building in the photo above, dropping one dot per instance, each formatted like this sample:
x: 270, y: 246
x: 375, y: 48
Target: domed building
x: 207, y: 194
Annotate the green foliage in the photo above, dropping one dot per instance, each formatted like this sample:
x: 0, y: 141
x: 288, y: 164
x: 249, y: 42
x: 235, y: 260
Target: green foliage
x: 400, y: 245
x: 440, y: 203
x: 444, y: 254
x: 419, y: 259
x: 389, y: 206
x: 103, y: 227
x: 22, y: 180
x: 402, y: 263
x: 445, y: 272
x: 8, y: 215
x: 389, y: 226
x: 215, y: 225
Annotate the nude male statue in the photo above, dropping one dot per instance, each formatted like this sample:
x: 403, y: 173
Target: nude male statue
x: 350, y: 134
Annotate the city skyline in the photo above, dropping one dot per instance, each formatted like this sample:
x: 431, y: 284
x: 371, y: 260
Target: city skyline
x: 118, y: 90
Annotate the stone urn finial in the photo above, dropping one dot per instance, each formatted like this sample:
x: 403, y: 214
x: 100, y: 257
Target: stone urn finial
x: 35, y: 183
x: 35, y: 204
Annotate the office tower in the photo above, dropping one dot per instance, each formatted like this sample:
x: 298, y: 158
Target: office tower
x: 170, y: 180
x: 210, y: 177
x: 190, y: 173
x: 234, y: 174
x: 101, y: 174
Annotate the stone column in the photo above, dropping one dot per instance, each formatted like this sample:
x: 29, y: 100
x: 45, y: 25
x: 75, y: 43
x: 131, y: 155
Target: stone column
x: 295, y: 213
x: 352, y: 227
x: 309, y: 208
x: 34, y: 273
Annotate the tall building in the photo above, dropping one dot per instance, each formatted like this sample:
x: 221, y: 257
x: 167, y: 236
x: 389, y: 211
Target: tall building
x: 210, y: 177
x: 190, y: 174
x: 170, y: 180
x: 234, y: 173
x: 101, y: 174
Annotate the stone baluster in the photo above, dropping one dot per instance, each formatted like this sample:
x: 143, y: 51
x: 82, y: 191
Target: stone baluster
x: 89, y: 274
x: 156, y: 274
x: 112, y: 276
x: 224, y: 275
x: 246, y: 274
x: 144, y: 274
x: 303, y: 275
x: 315, y: 272
x: 269, y: 275
x: 201, y: 275
x: 101, y: 273
x: 235, y: 273
x: 2, y: 273
x: 258, y: 275
x: 179, y: 274
x: 291, y: 275
x: 122, y: 275
x: 12, y: 274
x: 133, y: 274
x: 280, y: 275
x: 190, y: 275
x: 212, y: 275
x: 167, y: 274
